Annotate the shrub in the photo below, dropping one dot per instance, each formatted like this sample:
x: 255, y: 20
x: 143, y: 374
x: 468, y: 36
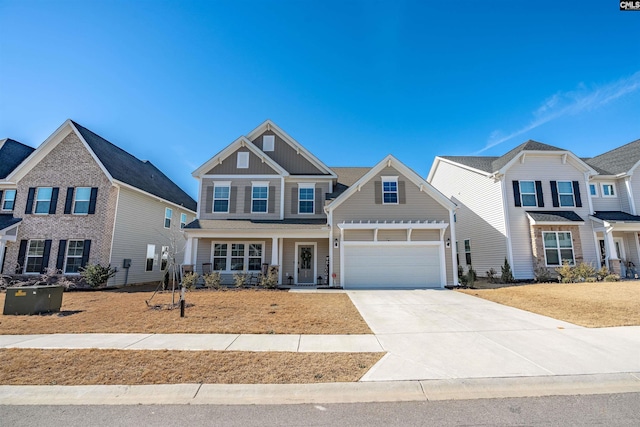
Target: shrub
x: 612, y: 278
x: 269, y: 280
x: 566, y: 273
x: 189, y: 280
x: 462, y: 278
x: 583, y: 271
x: 97, y: 275
x: 240, y: 279
x: 471, y: 276
x: 542, y: 274
x: 491, y: 275
x: 602, y: 273
x: 212, y: 280
x: 507, y: 275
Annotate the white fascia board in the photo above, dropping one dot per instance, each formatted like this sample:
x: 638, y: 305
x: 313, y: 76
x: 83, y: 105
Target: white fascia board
x: 404, y: 170
x: 254, y: 234
x: 633, y: 168
x: 438, y: 159
x: 240, y: 176
x: 393, y: 225
x: 230, y: 149
x: 131, y: 187
x: 268, y: 124
x: 575, y: 160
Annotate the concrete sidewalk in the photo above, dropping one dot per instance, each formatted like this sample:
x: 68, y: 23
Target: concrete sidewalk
x: 217, y: 342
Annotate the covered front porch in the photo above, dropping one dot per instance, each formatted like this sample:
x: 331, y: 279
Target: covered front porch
x: 618, y: 238
x: 299, y: 251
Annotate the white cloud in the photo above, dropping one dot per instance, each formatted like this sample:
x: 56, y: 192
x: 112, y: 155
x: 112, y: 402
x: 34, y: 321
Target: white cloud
x: 570, y: 103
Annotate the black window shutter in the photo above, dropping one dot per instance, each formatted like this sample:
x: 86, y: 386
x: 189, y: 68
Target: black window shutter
x: 54, y: 200
x: 68, y: 203
x: 318, y: 201
x: 539, y: 194
x: 30, y: 196
x: 554, y: 194
x: 576, y: 193
x: 272, y: 199
x: 21, y: 254
x: 92, y: 200
x: 516, y: 193
x: 377, y: 192
x: 402, y: 193
x: 294, y: 200
x: 0, y: 198
x: 247, y: 199
x: 85, y: 253
x: 233, y: 196
x: 62, y: 252
x: 45, y: 255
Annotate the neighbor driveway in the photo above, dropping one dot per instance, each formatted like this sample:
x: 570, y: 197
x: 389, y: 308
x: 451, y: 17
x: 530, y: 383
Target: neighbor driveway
x: 441, y: 334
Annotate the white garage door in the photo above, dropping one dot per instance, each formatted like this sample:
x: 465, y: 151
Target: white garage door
x: 398, y: 266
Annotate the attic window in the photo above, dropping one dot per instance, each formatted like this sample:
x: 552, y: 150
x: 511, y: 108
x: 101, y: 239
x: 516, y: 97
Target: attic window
x: 243, y: 160
x: 268, y: 142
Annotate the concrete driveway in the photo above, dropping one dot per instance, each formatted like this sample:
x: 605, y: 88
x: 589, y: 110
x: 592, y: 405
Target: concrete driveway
x: 442, y: 334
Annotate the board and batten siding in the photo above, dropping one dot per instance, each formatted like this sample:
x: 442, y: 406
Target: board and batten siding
x: 479, y: 216
x: 240, y: 199
x: 229, y: 166
x: 139, y: 222
x: 291, y: 199
x: 419, y: 206
x: 544, y: 169
x: 287, y: 157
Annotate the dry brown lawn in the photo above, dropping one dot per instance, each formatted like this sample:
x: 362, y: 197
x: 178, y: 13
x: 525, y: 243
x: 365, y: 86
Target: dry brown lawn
x: 231, y: 311
x: 89, y: 367
x: 593, y: 305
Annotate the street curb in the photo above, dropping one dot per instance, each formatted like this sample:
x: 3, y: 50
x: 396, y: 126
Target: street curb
x: 327, y: 393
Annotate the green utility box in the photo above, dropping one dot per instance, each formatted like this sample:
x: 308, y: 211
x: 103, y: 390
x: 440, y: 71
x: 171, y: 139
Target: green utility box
x: 33, y: 300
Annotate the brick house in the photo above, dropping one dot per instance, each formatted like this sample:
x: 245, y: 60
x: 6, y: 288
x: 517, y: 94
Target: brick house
x: 80, y: 199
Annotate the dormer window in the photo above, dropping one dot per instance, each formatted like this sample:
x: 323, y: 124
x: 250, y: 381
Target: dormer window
x: 243, y: 160
x: 268, y: 142
x: 389, y: 190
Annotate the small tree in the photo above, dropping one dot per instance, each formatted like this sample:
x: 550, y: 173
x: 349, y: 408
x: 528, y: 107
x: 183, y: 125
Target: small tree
x: 507, y: 275
x: 96, y: 275
x: 471, y: 276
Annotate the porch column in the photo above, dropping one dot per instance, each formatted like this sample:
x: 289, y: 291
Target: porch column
x: 275, y: 250
x: 613, y: 262
x: 3, y: 245
x: 188, y: 251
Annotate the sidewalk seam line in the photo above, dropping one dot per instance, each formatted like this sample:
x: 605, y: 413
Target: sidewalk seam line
x: 424, y: 392
x: 231, y: 343
x: 299, y: 339
x: 141, y: 339
x: 516, y: 353
x: 197, y: 391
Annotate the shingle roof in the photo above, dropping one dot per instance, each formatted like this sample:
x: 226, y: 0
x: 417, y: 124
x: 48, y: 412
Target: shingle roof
x: 12, y: 153
x: 493, y: 164
x: 247, y: 224
x: 616, y: 216
x: 618, y: 160
x: 137, y: 173
x: 347, y: 176
x: 555, y: 216
x: 7, y: 220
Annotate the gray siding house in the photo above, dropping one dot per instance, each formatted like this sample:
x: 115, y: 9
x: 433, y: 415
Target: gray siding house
x: 81, y: 199
x: 265, y: 199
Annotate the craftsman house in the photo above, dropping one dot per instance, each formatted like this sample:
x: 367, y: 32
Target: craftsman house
x: 265, y: 199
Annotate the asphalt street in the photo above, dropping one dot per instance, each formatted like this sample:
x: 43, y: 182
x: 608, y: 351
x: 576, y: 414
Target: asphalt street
x: 607, y: 410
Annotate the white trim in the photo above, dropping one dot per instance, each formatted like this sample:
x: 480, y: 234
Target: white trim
x: 242, y: 160
x: 315, y: 262
x: 613, y: 187
x: 507, y: 225
x: 567, y: 155
x: 220, y: 184
x: 405, y: 171
x: 558, y: 248
x: 280, y: 255
x: 26, y: 257
x: 245, y: 256
x: 535, y: 193
x: 260, y: 184
x: 438, y: 159
x: 573, y: 195
x: 391, y: 179
x: 272, y: 143
x: 269, y: 125
x: 393, y: 225
x: 66, y: 256
x: 167, y: 218
x: 239, y: 176
x: 232, y: 148
x: 632, y: 202
x: 253, y: 234
x: 131, y: 187
x: 282, y: 187
x: 454, y: 261
x: 115, y: 221
x: 307, y: 185
x: 199, y: 198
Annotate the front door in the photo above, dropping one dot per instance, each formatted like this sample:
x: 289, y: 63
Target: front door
x: 305, y: 264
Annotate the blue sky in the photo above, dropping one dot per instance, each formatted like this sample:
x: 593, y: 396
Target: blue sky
x: 174, y: 82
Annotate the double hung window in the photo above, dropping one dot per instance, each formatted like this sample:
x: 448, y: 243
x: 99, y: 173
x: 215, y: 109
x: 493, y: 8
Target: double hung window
x: 221, y: 194
x: 306, y: 198
x: 75, y: 252
x: 389, y: 191
x: 259, y: 197
x: 8, y: 200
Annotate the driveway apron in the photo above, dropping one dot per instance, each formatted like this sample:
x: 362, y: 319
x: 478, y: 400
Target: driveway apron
x: 442, y: 334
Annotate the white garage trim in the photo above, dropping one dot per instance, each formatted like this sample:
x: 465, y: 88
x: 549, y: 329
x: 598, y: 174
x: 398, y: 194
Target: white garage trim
x: 438, y: 244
